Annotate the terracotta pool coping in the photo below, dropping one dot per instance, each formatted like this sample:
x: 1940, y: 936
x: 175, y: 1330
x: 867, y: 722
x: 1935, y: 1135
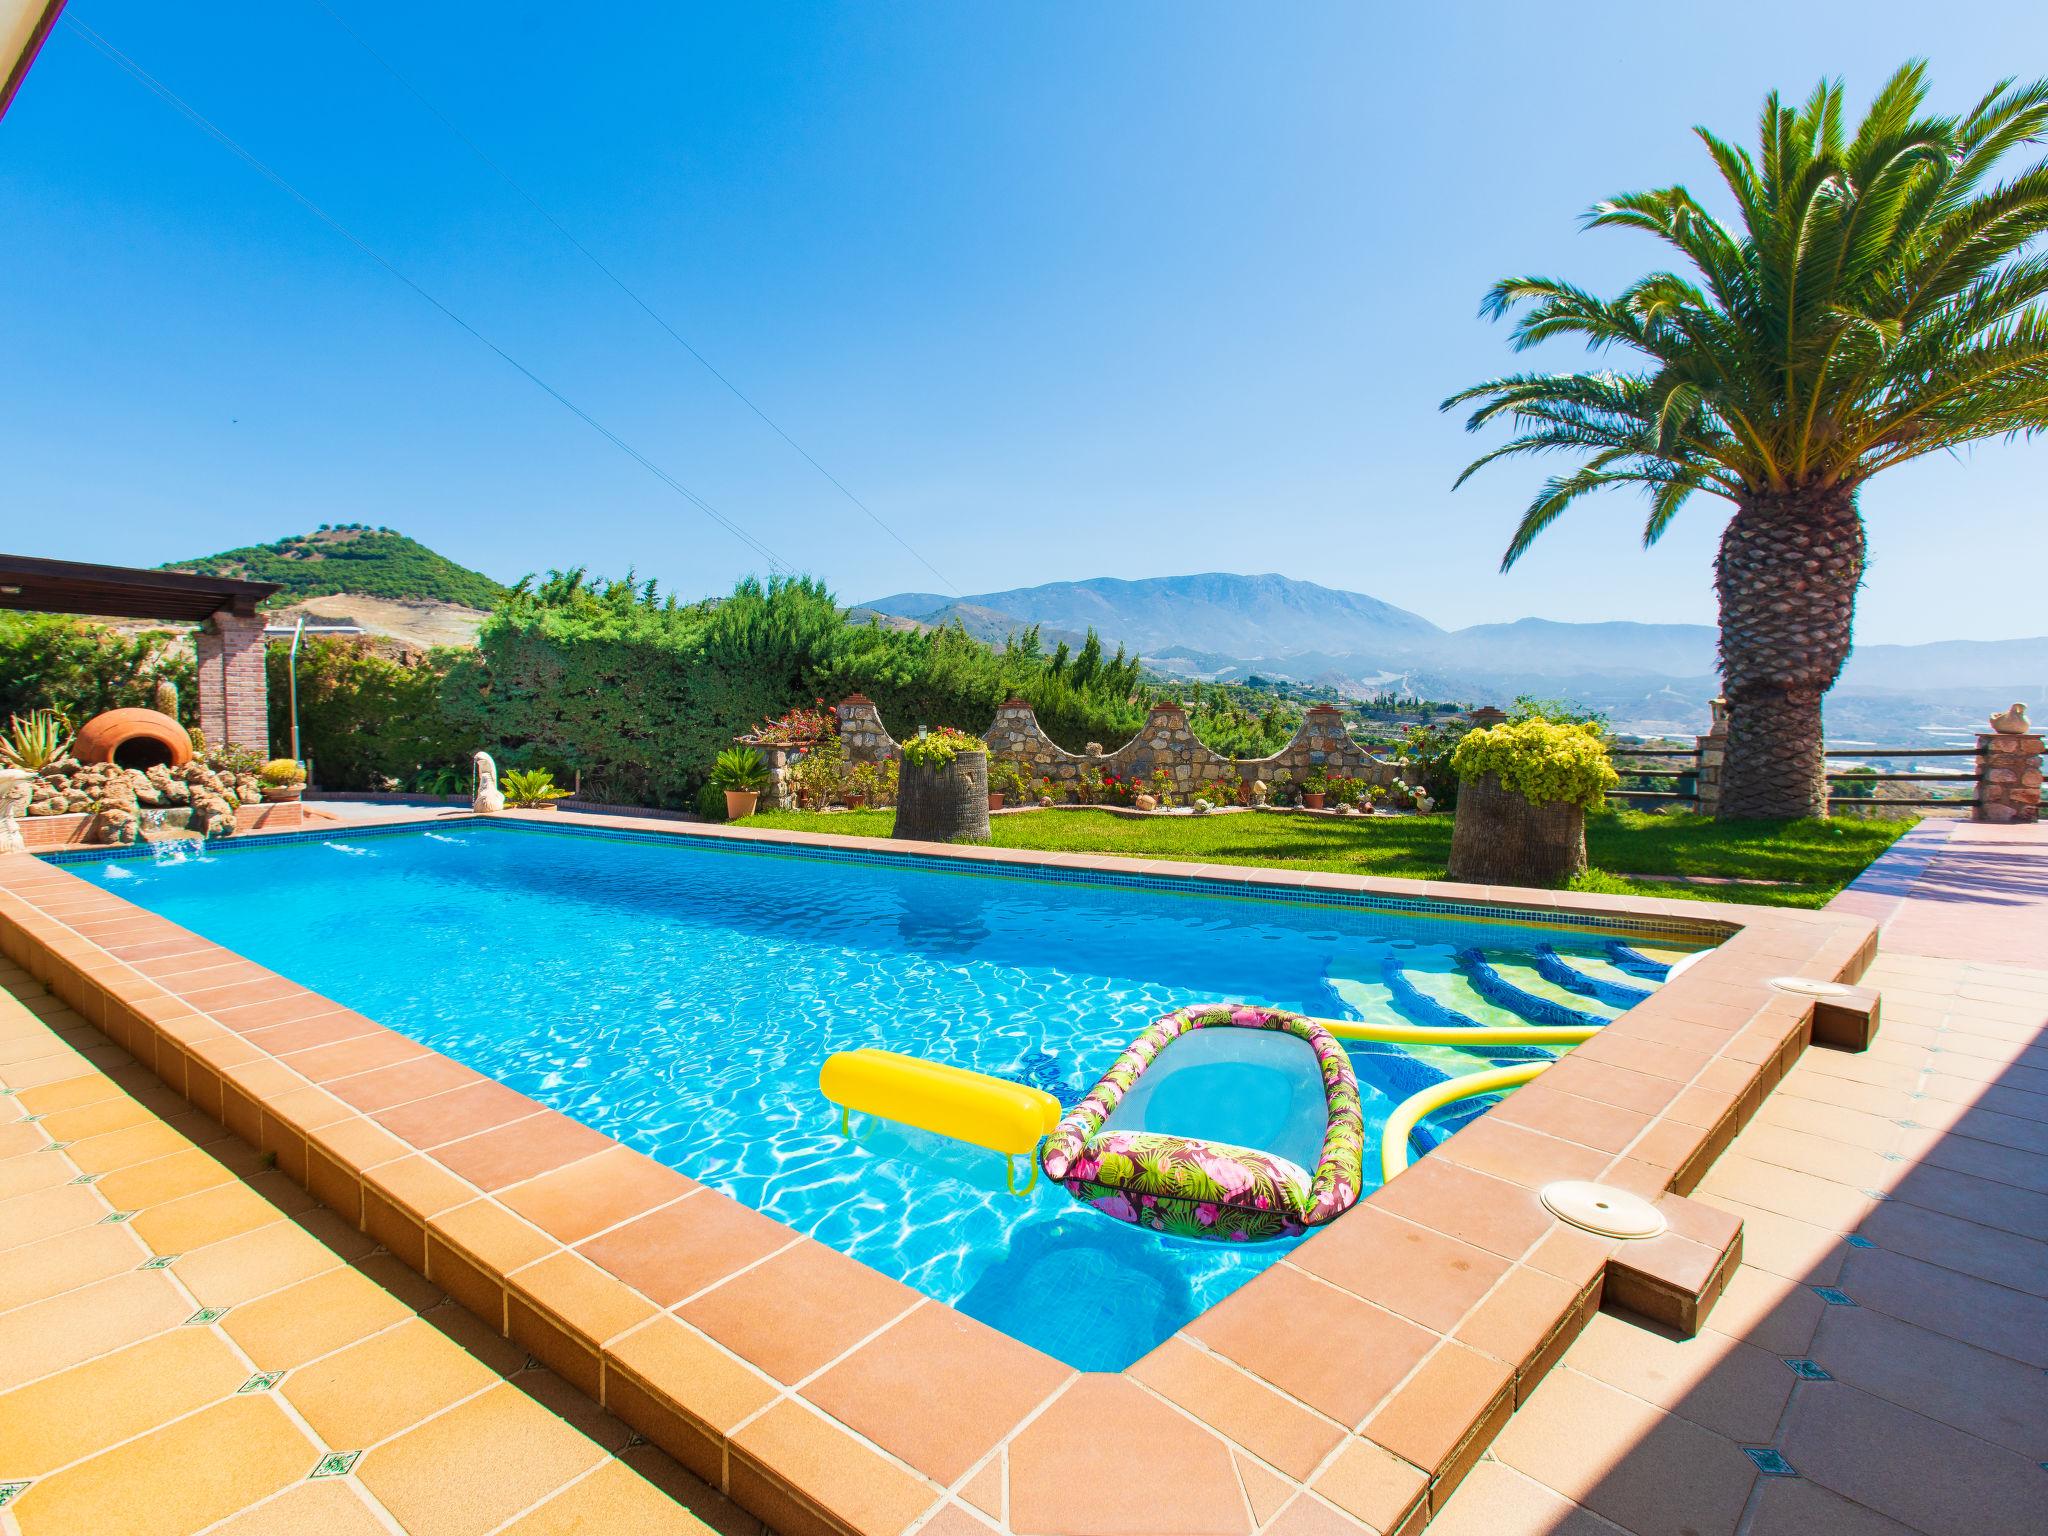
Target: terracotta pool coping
x: 1350, y: 1387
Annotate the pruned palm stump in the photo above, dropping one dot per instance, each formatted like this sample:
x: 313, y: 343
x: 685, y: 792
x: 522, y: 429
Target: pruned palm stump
x: 1501, y: 837
x: 944, y: 804
x: 1878, y: 295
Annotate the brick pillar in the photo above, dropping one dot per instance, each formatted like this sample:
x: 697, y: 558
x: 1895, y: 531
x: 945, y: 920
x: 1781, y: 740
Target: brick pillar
x: 1713, y: 748
x: 2008, y: 777
x: 234, y: 696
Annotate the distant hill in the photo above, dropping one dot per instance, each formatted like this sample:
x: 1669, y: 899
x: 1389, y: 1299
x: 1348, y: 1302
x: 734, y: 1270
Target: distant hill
x: 1218, y: 612
x: 356, y: 560
x: 1229, y: 627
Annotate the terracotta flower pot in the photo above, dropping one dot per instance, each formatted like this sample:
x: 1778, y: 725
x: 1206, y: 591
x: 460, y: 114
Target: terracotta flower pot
x: 995, y: 801
x: 1311, y: 802
x: 740, y: 803
x: 281, y: 794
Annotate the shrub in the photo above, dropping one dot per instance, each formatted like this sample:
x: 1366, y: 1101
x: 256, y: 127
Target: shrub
x: 740, y: 770
x: 365, y: 717
x: 79, y: 668
x: 1540, y: 761
x: 711, y: 803
x: 532, y: 786
x: 35, y: 741
x: 1006, y: 778
x: 280, y: 772
x: 936, y: 749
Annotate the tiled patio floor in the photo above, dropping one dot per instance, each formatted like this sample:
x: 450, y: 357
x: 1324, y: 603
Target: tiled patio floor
x: 1879, y: 1364
x: 188, y: 1343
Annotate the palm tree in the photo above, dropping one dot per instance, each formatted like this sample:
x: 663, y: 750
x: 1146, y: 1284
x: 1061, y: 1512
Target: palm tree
x: 1877, y: 297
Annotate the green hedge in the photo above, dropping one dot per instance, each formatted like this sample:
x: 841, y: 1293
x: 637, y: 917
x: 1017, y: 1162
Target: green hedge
x: 639, y: 695
x: 79, y: 668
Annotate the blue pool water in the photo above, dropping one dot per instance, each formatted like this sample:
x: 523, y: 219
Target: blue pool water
x: 680, y: 995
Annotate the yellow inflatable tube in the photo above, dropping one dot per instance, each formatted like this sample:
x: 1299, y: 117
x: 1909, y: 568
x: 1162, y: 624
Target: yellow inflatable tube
x: 1394, y: 1150
x: 1474, y: 1039
x: 968, y: 1106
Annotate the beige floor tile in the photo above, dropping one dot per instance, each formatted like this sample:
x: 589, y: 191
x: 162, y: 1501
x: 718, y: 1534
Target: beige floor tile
x: 239, y: 1269
x: 64, y: 1417
x: 1770, y: 1311
x: 62, y: 1263
x: 110, y: 1314
x: 1923, y: 1473
x: 177, y: 1479
x: 164, y: 1179
x: 330, y: 1507
x: 1644, y: 1469
x: 1784, y: 1245
x: 1733, y: 1388
x: 30, y: 1172
x: 2003, y: 1258
x: 614, y: 1498
x: 1990, y: 1396
x: 183, y: 1225
x: 60, y: 1208
x: 1496, y: 1500
x: 287, y: 1328
x: 1787, y: 1506
x: 1961, y: 1306
x: 384, y: 1385
x: 476, y: 1466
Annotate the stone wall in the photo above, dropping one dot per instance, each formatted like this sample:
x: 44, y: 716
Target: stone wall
x: 2008, y: 777
x: 1166, y: 743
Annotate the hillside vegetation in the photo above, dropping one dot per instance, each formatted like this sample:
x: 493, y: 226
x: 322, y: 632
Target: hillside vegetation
x: 374, y: 562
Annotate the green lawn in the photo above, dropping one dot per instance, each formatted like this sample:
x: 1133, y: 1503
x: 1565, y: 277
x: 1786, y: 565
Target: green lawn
x: 1815, y: 858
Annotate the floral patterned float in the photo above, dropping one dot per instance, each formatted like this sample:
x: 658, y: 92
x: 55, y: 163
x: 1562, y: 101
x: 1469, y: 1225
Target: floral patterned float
x: 1194, y: 1188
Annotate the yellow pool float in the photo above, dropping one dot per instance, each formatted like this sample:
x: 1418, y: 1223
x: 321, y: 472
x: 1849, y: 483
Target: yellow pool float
x: 983, y: 1111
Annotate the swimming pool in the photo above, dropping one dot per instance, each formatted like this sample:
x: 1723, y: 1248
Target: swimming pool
x: 680, y: 994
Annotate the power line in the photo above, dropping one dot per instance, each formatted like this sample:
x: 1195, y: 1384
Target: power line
x: 165, y: 93
x: 620, y: 283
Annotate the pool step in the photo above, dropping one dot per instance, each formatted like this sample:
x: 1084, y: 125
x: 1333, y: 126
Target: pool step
x: 1554, y: 968
x: 1635, y: 962
x: 1489, y: 982
x: 1421, y: 1007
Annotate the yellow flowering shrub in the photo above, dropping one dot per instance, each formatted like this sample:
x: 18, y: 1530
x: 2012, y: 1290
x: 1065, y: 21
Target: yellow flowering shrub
x: 1540, y: 761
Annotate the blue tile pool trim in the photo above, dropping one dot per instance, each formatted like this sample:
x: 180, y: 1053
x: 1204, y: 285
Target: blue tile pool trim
x: 1252, y: 889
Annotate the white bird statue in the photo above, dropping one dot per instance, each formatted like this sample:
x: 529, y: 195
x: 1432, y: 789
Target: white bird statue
x: 2012, y: 722
x: 488, y: 798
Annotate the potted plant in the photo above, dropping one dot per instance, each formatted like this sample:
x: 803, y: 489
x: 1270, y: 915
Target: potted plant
x: 942, y: 794
x: 1524, y: 789
x: 282, y: 779
x: 1006, y: 781
x: 532, y: 789
x: 742, y: 775
x: 1314, y: 788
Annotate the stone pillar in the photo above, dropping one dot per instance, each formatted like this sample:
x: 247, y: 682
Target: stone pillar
x: 1713, y: 749
x: 861, y: 731
x: 2008, y: 775
x: 234, y: 697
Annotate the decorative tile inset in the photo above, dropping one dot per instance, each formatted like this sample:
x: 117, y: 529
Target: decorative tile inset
x: 263, y: 1381
x: 1833, y: 1296
x: 87, y: 1178
x: 336, y: 1464
x: 204, y: 1316
x: 9, y: 1492
x: 1891, y: 1157
x: 161, y: 1261
x: 1769, y: 1462
x: 116, y: 1217
x: 57, y: 1146
x: 1807, y: 1370
x: 1874, y: 1194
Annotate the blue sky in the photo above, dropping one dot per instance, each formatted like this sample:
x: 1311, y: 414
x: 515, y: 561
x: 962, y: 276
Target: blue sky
x: 1059, y: 289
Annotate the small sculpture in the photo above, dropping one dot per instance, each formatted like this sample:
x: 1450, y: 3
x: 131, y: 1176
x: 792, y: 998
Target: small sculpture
x: 488, y: 799
x: 2013, y: 722
x: 16, y: 786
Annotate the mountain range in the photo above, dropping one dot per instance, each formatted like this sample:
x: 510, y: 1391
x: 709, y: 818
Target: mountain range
x: 1225, y: 627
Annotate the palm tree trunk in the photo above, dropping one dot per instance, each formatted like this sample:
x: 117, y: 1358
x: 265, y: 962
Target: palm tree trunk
x: 1787, y: 576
